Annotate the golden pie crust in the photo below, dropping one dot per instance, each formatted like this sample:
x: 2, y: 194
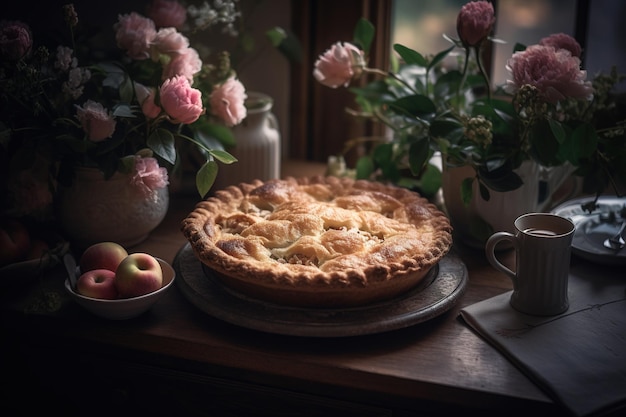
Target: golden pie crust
x: 318, y: 241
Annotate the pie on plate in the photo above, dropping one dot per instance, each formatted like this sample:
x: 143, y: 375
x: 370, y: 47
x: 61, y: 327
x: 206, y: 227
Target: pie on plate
x: 318, y: 241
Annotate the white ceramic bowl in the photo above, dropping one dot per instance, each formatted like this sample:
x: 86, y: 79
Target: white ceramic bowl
x: 125, y: 308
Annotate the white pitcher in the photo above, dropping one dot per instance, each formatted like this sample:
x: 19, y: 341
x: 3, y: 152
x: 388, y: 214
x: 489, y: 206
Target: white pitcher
x: 257, y: 145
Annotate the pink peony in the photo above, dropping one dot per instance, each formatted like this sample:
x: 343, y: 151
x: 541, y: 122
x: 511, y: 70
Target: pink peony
x: 227, y: 102
x: 145, y: 97
x: 337, y: 65
x: 475, y: 22
x: 562, y: 41
x: 181, y: 102
x: 134, y: 33
x: 168, y: 41
x: 555, y: 73
x: 167, y: 13
x: 186, y: 64
x: 16, y: 40
x: 97, y: 123
x: 148, y: 176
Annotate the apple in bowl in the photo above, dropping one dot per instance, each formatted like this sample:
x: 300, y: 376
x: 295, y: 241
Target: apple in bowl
x: 103, y: 255
x: 97, y: 283
x: 138, y: 274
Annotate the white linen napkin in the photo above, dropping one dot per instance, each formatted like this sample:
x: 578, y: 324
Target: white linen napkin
x: 578, y: 357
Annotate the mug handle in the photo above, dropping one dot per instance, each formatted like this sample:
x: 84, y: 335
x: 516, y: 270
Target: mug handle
x: 491, y: 255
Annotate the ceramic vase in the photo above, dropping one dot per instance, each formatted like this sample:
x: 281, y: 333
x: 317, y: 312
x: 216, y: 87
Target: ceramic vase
x: 474, y: 223
x: 94, y: 209
x: 257, y: 145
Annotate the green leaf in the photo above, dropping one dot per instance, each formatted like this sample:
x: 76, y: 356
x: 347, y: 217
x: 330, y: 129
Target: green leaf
x: 364, y: 34
x: 161, y: 141
x: 364, y: 167
x: 446, y: 128
x: 419, y: 153
x: 416, y: 105
x: 205, y: 177
x: 584, y: 143
x: 213, y: 135
x: 448, y: 84
x: 466, y: 190
x: 544, y: 146
x: 123, y: 110
x: 518, y: 47
x: 430, y: 181
x: 375, y: 92
x: 410, y: 56
x: 484, y: 191
x: 223, y: 156
x: 440, y: 57
x: 127, y: 90
x: 383, y: 157
x: 557, y: 130
x: 276, y: 35
x: 286, y: 43
x: 501, y: 180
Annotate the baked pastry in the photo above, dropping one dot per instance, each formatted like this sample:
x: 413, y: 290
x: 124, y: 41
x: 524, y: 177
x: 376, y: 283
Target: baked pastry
x: 319, y: 241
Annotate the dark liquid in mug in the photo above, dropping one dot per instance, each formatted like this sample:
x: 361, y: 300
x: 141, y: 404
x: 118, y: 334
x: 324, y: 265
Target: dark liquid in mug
x: 540, y: 232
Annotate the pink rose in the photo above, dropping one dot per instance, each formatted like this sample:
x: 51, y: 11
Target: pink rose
x: 562, y: 41
x: 167, y: 13
x: 475, y: 22
x: 181, y: 102
x: 168, y: 41
x: 148, y: 176
x: 555, y: 73
x: 186, y: 64
x: 145, y: 97
x: 97, y: 123
x: 134, y: 33
x: 16, y: 40
x: 337, y: 65
x: 227, y: 102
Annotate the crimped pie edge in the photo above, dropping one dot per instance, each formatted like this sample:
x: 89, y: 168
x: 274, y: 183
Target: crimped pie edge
x: 203, y: 245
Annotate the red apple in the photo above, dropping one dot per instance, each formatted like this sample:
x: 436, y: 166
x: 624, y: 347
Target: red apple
x: 138, y: 274
x: 97, y: 283
x: 103, y: 255
x: 14, y: 241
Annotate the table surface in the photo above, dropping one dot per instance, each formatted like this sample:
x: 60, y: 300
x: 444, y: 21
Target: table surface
x: 440, y: 360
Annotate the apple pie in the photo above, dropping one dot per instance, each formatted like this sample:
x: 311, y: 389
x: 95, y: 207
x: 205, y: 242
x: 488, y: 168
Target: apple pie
x: 318, y: 241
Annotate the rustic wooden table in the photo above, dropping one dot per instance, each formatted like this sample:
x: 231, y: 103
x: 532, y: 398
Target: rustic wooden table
x: 177, y: 359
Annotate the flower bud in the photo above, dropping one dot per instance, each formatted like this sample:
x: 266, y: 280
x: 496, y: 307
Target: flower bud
x: 475, y: 22
x: 15, y: 40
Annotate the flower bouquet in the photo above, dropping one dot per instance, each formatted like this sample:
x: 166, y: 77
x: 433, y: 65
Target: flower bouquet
x: 126, y: 105
x: 547, y: 112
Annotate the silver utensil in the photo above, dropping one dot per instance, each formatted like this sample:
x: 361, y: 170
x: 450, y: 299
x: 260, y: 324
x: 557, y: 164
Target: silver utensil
x: 70, y: 266
x: 616, y: 242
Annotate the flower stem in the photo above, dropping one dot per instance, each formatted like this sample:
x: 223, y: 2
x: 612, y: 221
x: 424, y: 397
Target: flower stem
x: 389, y: 74
x: 483, y: 72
